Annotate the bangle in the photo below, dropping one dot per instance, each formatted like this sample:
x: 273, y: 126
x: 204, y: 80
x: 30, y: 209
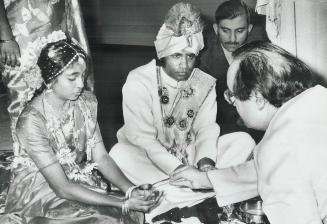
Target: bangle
x: 5, y: 41
x: 128, y: 193
x: 125, y: 208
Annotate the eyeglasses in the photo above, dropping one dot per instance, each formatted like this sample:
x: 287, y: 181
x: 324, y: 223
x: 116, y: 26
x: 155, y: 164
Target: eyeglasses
x: 229, y: 96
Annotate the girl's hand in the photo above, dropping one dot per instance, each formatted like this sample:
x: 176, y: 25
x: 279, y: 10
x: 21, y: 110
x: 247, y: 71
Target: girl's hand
x: 142, y: 202
x: 145, y: 191
x: 10, y: 53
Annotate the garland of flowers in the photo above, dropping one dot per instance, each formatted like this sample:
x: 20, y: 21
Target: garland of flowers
x: 28, y: 61
x: 65, y: 155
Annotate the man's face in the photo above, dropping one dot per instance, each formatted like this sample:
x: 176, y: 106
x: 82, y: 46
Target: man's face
x: 232, y: 33
x: 179, y: 65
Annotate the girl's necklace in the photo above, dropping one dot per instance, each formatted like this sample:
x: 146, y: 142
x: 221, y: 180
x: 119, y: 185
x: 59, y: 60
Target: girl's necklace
x: 65, y: 124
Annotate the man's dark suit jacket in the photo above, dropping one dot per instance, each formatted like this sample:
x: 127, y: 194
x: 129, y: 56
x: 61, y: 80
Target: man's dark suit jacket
x: 212, y: 60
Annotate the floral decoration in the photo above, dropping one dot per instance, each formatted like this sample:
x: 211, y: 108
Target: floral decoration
x: 29, y: 57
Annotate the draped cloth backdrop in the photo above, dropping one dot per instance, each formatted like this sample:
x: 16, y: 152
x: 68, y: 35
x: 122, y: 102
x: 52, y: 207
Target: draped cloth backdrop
x: 299, y: 26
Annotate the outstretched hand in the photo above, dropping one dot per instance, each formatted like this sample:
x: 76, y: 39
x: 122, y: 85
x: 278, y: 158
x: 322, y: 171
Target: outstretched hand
x: 144, y: 198
x: 190, y: 177
x: 10, y: 53
x: 142, y: 204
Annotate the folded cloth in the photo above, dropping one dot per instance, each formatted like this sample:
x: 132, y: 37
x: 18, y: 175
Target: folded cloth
x: 175, y: 197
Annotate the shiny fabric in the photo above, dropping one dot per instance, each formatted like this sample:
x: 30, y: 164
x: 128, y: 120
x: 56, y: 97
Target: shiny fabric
x: 30, y: 199
x: 30, y: 19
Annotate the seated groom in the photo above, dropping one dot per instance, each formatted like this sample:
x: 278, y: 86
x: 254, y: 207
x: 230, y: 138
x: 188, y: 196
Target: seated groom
x: 170, y: 111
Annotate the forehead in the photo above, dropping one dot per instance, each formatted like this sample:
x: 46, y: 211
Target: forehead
x: 235, y: 23
x: 231, y: 73
x: 76, y: 66
x: 184, y: 51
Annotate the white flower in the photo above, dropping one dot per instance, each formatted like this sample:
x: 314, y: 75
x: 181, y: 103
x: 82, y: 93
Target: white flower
x: 20, y: 28
x: 88, y: 168
x: 33, y: 77
x: 51, y: 54
x: 31, y: 72
x: 65, y: 156
x: 26, y: 15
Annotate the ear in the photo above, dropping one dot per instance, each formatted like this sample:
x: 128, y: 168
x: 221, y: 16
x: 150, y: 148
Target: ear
x: 250, y: 28
x: 215, y: 28
x: 260, y: 101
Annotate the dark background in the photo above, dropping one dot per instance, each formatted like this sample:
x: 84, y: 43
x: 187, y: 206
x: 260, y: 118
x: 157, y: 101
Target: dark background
x: 121, y: 35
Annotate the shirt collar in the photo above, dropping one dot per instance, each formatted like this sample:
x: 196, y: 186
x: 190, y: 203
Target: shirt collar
x: 228, y: 55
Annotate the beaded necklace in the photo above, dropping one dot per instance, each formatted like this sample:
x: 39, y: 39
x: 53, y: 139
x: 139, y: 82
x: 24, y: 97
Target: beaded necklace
x: 168, y: 118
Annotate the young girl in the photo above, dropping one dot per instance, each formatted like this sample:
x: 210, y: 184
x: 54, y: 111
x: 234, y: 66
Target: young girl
x: 61, y: 148
x: 22, y: 22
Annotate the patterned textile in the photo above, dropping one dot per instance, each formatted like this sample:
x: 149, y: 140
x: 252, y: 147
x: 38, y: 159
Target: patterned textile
x: 5, y: 161
x: 30, y: 19
x: 30, y: 199
x: 179, y: 133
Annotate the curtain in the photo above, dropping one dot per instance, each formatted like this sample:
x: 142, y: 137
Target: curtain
x: 299, y: 26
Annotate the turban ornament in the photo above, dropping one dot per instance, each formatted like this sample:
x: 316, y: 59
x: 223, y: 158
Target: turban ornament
x: 182, y: 30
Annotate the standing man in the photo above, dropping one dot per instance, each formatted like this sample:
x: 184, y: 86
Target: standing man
x: 170, y: 113
x: 232, y: 29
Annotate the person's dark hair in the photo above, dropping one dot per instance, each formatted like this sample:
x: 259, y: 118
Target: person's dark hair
x: 232, y: 9
x: 271, y: 71
x: 57, y: 56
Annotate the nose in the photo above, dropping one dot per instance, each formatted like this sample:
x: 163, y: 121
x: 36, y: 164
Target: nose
x: 233, y: 37
x: 80, y: 82
x: 184, y: 63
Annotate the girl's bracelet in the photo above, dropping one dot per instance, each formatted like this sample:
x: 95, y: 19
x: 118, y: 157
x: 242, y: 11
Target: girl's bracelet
x: 128, y: 193
x: 125, y: 208
x: 5, y: 41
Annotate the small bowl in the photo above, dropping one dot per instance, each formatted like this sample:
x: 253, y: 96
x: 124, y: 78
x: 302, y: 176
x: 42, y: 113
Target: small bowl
x: 251, y: 212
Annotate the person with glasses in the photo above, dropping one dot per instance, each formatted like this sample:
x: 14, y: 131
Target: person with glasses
x: 274, y: 91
